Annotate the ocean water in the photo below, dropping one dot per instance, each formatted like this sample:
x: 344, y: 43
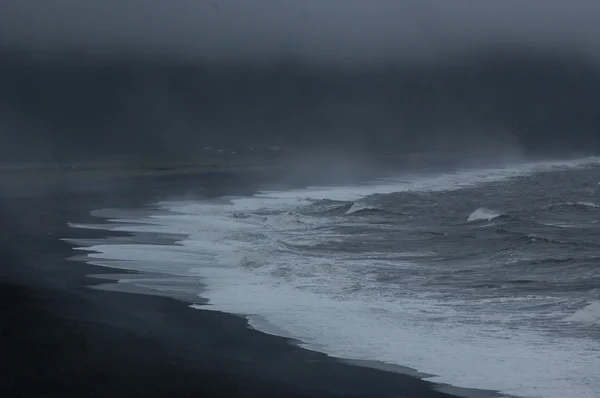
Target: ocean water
x: 484, y: 278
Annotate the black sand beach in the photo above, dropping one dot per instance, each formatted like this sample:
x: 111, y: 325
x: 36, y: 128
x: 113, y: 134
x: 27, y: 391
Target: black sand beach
x: 60, y: 338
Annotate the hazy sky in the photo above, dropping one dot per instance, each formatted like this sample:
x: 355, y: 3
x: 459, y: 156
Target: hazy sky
x: 350, y: 30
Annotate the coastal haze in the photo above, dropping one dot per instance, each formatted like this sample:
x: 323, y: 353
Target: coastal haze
x: 351, y: 31
x: 401, y: 198
x: 165, y: 79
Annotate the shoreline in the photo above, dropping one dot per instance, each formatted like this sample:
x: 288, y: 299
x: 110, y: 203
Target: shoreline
x: 64, y: 338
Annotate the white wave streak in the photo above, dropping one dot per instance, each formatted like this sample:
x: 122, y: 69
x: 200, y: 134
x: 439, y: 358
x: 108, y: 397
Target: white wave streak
x: 358, y: 207
x: 483, y: 214
x: 589, y: 314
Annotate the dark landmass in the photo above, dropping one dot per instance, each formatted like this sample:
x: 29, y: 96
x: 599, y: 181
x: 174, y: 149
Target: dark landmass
x: 75, y: 106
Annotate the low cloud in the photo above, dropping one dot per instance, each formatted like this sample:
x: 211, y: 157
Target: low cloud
x: 328, y: 30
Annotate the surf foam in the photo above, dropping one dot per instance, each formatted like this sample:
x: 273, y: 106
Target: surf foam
x: 589, y: 314
x: 249, y: 269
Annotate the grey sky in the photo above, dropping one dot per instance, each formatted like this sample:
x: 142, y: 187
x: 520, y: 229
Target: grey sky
x: 351, y: 30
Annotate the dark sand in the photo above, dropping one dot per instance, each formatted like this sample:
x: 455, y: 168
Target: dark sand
x: 59, y: 338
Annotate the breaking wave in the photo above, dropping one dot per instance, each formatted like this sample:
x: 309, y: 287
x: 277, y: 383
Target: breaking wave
x: 358, y: 208
x: 590, y: 314
x: 483, y: 214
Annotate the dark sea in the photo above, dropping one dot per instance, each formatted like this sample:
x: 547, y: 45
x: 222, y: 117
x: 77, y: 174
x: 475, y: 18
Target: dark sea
x: 482, y: 277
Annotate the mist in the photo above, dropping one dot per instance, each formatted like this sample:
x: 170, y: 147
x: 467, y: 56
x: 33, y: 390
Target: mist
x: 164, y: 79
x: 314, y: 30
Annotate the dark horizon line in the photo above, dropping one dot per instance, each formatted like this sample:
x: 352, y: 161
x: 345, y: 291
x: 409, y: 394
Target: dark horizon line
x: 130, y: 56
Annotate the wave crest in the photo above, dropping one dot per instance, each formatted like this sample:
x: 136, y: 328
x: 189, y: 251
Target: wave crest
x: 578, y: 204
x: 362, y: 208
x: 483, y: 214
x: 590, y: 314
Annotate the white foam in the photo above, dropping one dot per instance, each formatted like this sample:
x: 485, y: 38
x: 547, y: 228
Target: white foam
x: 589, y: 314
x: 334, y: 304
x: 398, y: 333
x: 483, y: 214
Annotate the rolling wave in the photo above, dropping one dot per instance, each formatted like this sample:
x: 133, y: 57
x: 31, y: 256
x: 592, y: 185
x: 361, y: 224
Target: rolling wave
x: 361, y: 208
x: 483, y: 214
x: 589, y: 314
